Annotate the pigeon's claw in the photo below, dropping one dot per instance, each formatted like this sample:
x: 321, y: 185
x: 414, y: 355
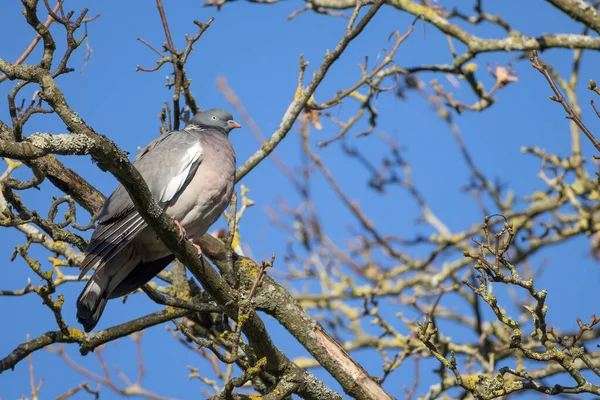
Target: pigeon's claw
x: 182, y: 233
x: 198, y: 248
x: 182, y: 236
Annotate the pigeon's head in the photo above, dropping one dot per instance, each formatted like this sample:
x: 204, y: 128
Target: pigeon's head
x: 215, y: 118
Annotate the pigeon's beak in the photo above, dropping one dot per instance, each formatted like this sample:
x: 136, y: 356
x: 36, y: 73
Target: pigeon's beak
x: 232, y: 124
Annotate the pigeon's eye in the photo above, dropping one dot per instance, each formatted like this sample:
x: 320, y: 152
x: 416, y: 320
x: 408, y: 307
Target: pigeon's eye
x: 215, y: 118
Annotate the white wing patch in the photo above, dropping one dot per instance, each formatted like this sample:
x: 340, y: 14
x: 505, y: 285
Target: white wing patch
x: 187, y: 161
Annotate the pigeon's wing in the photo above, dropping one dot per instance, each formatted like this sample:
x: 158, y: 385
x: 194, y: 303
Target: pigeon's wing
x: 167, y: 164
x: 170, y: 165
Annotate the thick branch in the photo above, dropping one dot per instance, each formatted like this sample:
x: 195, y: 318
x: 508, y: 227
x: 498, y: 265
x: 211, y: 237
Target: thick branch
x: 41, y: 144
x: 273, y: 299
x: 579, y: 10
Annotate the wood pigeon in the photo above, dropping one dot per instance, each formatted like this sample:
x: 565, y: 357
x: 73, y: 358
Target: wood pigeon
x: 191, y: 175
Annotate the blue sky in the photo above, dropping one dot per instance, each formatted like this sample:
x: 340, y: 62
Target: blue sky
x: 257, y: 50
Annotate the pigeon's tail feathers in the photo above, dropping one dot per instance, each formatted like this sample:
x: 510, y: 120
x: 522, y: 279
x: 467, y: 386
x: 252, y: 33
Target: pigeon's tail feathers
x: 91, y: 303
x: 107, y: 275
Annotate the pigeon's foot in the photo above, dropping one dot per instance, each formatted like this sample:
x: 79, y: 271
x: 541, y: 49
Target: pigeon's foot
x: 182, y: 233
x: 198, y: 248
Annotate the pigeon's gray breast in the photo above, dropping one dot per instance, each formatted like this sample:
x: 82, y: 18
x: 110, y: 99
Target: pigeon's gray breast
x: 209, y: 191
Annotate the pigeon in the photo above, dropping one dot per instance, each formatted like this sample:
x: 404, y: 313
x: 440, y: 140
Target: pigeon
x: 191, y: 175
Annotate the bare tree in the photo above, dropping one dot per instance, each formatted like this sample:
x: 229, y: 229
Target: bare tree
x: 218, y: 314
